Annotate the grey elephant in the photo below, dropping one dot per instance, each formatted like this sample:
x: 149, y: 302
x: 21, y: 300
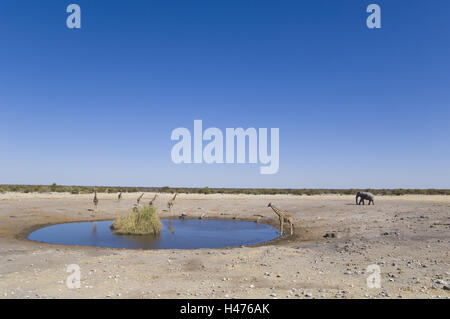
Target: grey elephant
x: 363, y: 196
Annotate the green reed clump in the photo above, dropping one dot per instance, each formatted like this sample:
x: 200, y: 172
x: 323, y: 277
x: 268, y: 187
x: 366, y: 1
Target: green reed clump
x: 143, y: 222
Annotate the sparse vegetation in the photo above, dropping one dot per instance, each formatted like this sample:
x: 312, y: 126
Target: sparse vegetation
x: 143, y: 222
x: 206, y: 190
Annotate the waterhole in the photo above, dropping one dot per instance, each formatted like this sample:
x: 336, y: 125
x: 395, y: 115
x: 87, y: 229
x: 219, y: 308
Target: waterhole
x: 175, y: 234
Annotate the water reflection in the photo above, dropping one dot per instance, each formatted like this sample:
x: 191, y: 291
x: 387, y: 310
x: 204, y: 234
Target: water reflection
x: 170, y: 227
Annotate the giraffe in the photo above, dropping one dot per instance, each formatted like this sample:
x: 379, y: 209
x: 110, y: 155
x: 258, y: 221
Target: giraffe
x: 95, y: 201
x: 171, y: 202
x: 153, y: 199
x: 139, y: 199
x: 119, y: 196
x: 283, y: 218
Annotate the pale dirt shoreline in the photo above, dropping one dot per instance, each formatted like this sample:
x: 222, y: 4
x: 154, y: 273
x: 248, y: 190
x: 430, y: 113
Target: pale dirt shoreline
x: 407, y: 236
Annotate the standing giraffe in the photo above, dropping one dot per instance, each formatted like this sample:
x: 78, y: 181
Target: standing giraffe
x: 283, y: 218
x: 139, y: 199
x: 153, y: 199
x: 95, y: 200
x: 171, y: 202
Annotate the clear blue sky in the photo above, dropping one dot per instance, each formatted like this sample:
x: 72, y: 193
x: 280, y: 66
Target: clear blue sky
x: 355, y: 107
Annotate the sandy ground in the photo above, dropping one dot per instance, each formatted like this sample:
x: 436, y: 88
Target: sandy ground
x: 408, y: 237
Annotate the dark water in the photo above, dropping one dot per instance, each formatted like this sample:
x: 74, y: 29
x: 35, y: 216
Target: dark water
x: 176, y: 234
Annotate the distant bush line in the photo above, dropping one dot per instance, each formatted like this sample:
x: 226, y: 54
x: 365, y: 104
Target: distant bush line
x: 207, y: 190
